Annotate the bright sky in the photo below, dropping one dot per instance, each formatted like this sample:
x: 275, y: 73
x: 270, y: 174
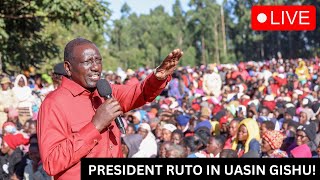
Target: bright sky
x: 144, y: 6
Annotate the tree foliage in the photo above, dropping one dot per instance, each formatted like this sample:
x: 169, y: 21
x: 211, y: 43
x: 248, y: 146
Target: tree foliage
x: 23, y: 42
x: 34, y: 32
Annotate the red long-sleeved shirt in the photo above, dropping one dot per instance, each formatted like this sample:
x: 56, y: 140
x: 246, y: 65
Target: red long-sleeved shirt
x: 66, y: 133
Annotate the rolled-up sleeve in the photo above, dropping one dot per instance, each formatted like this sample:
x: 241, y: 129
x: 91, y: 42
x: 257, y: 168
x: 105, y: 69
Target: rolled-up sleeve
x: 131, y: 97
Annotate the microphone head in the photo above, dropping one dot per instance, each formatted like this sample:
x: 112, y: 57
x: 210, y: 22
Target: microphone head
x: 104, y: 88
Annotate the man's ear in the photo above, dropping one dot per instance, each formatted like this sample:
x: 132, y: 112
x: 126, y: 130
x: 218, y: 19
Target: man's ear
x: 67, y: 67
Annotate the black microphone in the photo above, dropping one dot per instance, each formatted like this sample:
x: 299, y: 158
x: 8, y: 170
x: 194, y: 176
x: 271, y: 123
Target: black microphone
x: 105, y: 91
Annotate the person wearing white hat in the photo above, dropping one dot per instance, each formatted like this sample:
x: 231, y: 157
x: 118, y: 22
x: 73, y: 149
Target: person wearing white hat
x: 7, y: 99
x: 212, y: 82
x: 148, y: 147
x: 167, y: 131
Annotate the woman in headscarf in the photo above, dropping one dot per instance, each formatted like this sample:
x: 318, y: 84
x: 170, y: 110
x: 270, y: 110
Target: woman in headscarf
x: 248, y: 137
x: 130, y: 145
x: 302, y: 72
x: 23, y: 94
x: 148, y: 146
x: 305, y: 116
x: 167, y: 131
x: 271, y: 143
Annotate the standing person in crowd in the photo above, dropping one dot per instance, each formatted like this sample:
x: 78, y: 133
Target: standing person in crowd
x: 24, y: 97
x: 7, y: 100
x: 34, y: 169
x: 58, y: 73
x: 130, y: 144
x: 12, y: 155
x: 75, y: 121
x: 302, y: 72
x: 212, y: 82
x: 148, y: 146
x: 248, y: 137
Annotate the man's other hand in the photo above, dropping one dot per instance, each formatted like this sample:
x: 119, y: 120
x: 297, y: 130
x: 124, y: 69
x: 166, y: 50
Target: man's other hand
x: 168, y: 65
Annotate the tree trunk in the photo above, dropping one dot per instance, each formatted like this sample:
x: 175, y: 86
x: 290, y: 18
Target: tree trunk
x: 203, y: 47
x: 279, y: 42
x: 223, y: 33
x: 262, y: 47
x: 159, y: 56
x: 290, y: 44
x: 1, y: 64
x: 180, y: 40
x: 216, y: 42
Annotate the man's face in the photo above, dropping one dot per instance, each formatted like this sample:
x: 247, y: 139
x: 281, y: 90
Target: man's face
x: 34, y: 154
x: 4, y: 147
x: 175, y: 138
x: 5, y: 86
x: 86, y: 65
x: 233, y: 128
x: 212, y: 147
x: 287, y: 116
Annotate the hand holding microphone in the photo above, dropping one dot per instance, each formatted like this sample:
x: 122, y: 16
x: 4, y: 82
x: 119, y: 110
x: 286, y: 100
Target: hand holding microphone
x: 109, y: 110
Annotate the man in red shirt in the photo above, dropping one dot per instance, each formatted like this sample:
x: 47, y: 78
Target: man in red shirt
x: 75, y: 122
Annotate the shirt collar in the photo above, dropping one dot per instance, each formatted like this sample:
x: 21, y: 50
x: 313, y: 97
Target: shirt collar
x: 75, y: 89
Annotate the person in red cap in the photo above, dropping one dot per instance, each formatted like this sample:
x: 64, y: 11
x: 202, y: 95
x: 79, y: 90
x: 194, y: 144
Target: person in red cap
x: 12, y: 154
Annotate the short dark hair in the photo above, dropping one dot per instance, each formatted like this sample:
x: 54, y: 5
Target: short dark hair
x: 228, y: 153
x: 179, y: 132
x: 269, y: 125
x: 219, y: 139
x: 191, y: 143
x: 68, y: 50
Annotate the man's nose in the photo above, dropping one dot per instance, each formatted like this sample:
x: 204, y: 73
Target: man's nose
x: 94, y: 66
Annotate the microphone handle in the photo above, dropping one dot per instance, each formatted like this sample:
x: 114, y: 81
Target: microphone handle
x: 118, y: 120
x: 120, y: 125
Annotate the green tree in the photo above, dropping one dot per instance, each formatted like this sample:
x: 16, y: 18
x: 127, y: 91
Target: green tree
x: 23, y: 42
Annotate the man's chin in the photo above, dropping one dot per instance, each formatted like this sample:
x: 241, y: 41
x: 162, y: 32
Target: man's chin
x: 91, y: 85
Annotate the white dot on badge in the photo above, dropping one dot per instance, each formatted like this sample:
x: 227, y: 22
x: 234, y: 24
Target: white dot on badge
x: 262, y: 18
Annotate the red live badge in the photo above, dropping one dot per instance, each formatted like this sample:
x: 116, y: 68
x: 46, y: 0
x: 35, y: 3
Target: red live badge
x: 283, y: 18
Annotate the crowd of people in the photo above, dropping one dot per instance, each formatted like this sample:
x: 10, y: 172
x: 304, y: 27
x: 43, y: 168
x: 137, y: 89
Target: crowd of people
x: 251, y: 109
